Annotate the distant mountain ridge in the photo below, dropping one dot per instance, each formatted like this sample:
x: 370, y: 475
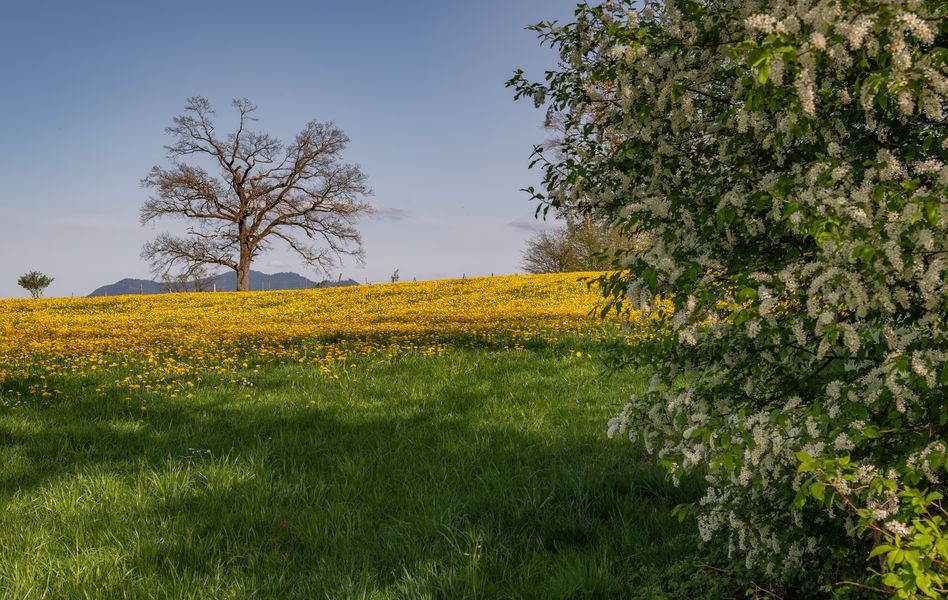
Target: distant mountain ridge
x: 225, y: 282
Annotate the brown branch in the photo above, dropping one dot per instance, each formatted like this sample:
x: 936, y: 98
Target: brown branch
x: 864, y: 587
x: 304, y: 187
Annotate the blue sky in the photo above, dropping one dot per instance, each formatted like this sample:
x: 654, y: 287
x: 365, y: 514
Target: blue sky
x: 418, y: 86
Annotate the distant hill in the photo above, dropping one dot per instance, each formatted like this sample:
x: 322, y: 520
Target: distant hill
x: 261, y: 282
x: 129, y: 286
x: 338, y: 283
x: 225, y: 282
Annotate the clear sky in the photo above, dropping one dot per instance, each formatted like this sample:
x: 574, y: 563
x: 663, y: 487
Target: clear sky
x: 418, y: 86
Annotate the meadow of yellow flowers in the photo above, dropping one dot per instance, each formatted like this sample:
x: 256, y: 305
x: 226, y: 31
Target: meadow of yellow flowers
x: 155, y: 339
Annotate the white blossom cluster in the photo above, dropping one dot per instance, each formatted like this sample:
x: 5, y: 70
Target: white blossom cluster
x: 789, y: 161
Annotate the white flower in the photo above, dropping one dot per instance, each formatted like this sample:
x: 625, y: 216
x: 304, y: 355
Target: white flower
x: 851, y: 338
x: 842, y: 443
x: 926, y: 167
x: 897, y: 529
x: 919, y: 364
x: 917, y: 27
x: 688, y: 336
x: 901, y: 57
x: 753, y: 328
x: 762, y: 23
x: 832, y: 389
x: 905, y: 103
x: 804, y: 85
x: 858, y: 31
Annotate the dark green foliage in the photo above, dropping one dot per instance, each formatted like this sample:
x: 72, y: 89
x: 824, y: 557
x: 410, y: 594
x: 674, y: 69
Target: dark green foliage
x: 34, y: 282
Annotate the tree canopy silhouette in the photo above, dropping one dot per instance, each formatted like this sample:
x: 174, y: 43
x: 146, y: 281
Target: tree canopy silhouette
x: 243, y: 192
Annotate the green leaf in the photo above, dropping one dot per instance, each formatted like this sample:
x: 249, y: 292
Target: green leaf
x: 747, y: 293
x: 763, y: 74
x: 895, y: 557
x: 807, y: 463
x: 924, y: 582
x: 931, y: 212
x: 866, y: 252
x: 799, y: 501
x: 892, y: 580
x: 941, y: 545
x: 756, y: 56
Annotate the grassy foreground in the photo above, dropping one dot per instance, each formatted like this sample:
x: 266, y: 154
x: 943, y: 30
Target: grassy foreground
x: 470, y: 472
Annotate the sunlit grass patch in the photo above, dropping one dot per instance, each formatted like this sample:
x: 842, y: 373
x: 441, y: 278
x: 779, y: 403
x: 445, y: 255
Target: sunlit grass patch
x: 444, y: 439
x: 474, y: 474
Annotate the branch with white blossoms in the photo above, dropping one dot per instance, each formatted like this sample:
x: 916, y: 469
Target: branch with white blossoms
x: 907, y: 524
x: 788, y: 163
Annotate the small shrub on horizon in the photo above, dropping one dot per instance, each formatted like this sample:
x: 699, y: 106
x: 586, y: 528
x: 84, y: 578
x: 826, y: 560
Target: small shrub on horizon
x: 35, y: 283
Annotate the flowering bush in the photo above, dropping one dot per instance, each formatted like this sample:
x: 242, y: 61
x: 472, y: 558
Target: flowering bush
x: 787, y: 160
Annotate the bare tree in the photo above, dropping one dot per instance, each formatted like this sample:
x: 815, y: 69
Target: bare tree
x: 199, y: 279
x: 300, y: 194
x: 579, y: 245
x: 549, y: 251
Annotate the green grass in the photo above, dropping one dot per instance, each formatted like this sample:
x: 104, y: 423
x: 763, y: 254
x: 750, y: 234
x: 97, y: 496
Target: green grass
x: 476, y: 474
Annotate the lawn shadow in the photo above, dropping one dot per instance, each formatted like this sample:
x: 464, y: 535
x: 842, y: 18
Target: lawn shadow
x: 423, y: 489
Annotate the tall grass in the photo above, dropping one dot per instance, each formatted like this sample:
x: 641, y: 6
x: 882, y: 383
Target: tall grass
x: 474, y: 474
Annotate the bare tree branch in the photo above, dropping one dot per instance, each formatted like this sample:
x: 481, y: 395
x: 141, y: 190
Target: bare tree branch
x: 263, y: 191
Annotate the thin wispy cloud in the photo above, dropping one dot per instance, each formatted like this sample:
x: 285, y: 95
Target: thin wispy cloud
x: 389, y: 213
x: 532, y: 225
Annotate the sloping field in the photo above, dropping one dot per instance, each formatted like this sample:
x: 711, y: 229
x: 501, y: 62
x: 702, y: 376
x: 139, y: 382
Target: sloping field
x: 504, y: 308
x: 299, y: 325
x: 185, y: 334
x: 418, y: 440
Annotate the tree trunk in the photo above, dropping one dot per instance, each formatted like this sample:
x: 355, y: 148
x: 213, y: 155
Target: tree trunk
x: 243, y: 270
